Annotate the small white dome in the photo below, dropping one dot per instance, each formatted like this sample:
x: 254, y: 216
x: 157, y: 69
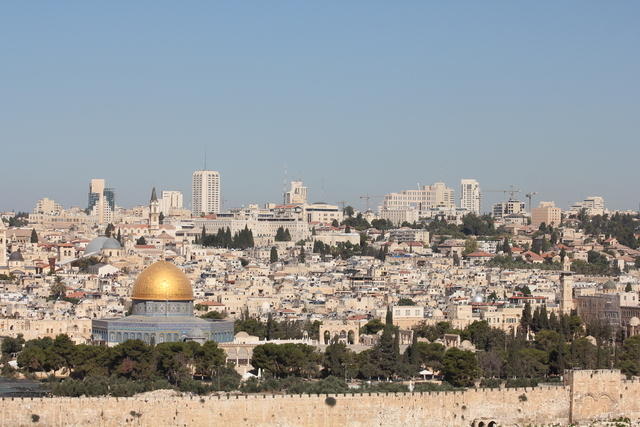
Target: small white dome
x: 478, y: 298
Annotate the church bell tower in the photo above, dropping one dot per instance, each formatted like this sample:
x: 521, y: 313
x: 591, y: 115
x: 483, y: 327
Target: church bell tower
x: 154, y: 211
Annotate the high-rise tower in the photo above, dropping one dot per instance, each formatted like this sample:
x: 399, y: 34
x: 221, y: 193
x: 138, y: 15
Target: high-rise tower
x: 102, y: 202
x: 470, y: 195
x: 205, y: 192
x: 297, y: 195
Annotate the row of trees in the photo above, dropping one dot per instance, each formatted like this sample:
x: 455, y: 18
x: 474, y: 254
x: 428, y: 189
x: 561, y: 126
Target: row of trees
x: 506, y: 261
x: 223, y: 238
x: 472, y: 225
x: 283, y: 235
x: 274, y: 329
x: 346, y: 250
x: 596, y: 264
x: 20, y: 219
x: 384, y: 361
x: 360, y: 223
x: 621, y: 226
x: 132, y: 366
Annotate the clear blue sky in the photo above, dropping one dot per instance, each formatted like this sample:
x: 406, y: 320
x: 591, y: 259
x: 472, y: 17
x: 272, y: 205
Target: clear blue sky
x: 352, y: 97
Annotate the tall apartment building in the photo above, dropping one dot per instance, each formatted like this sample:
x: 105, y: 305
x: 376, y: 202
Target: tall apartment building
x: 425, y: 198
x: 323, y: 213
x: 509, y: 207
x: 546, y: 212
x: 102, y: 201
x: 47, y: 206
x: 171, y: 200
x: 297, y: 194
x: 205, y: 192
x: 594, y: 205
x: 470, y: 195
x: 399, y: 216
x: 406, y: 234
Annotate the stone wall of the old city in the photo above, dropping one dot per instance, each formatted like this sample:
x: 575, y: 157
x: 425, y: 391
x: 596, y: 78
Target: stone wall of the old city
x: 585, y: 396
x: 512, y: 406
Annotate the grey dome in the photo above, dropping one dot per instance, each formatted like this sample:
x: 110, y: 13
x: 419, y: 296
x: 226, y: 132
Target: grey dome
x: 16, y: 256
x: 100, y: 243
x: 478, y: 298
x: 609, y: 285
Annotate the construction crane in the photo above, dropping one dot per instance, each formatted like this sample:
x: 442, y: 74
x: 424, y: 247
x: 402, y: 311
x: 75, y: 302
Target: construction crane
x: 511, y: 192
x: 530, y: 196
x: 368, y: 197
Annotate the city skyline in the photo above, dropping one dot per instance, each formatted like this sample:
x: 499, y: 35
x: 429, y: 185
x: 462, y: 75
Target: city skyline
x: 173, y: 199
x: 351, y: 99
x: 487, y: 200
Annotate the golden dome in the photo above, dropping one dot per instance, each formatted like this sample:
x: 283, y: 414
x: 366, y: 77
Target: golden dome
x: 162, y: 281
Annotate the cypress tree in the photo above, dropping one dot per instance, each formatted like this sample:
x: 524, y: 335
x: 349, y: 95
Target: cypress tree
x: 389, y: 317
x: 396, y: 342
x: 413, y: 350
x: 536, y: 323
x: 506, y: 248
x: 270, y: 329
x: 554, y: 323
x: 273, y: 256
x: 34, y: 236
x: 228, y: 237
x: 526, y: 319
x: 544, y: 318
x: 220, y: 238
x: 280, y: 234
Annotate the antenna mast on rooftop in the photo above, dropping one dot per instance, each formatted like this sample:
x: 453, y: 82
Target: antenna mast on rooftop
x: 205, y: 158
x: 284, y: 186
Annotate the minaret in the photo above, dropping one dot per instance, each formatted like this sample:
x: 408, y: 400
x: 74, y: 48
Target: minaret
x: 566, y: 292
x: 154, y: 211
